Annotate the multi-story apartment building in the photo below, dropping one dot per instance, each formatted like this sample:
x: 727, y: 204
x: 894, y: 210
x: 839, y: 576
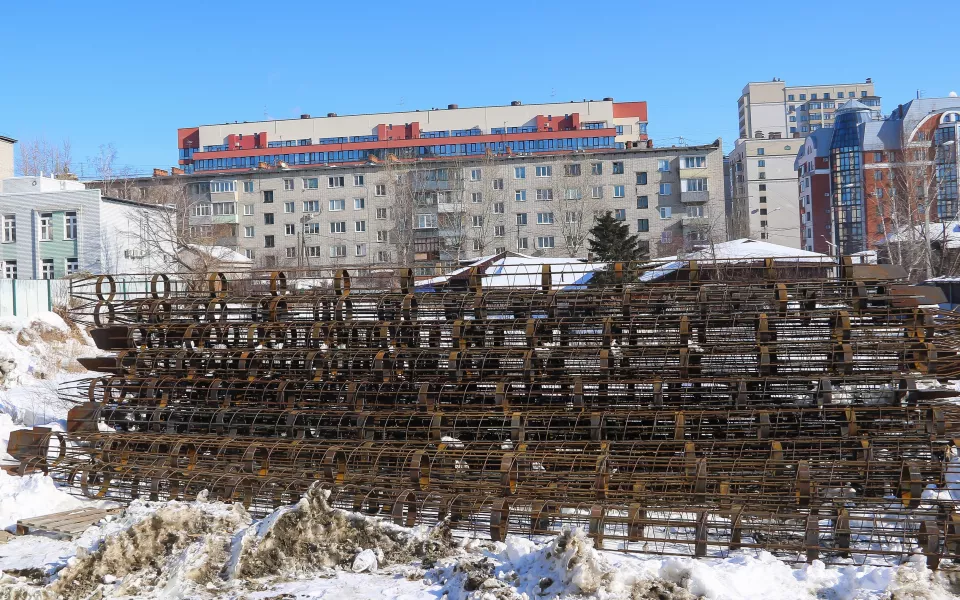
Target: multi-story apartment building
x: 865, y: 179
x: 427, y: 134
x: 422, y: 212
x: 6, y: 156
x: 765, y: 201
x: 51, y: 228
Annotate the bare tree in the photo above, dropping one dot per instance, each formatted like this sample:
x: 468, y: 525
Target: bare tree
x: 39, y: 157
x: 453, y: 220
x: 581, y: 197
x: 104, y: 167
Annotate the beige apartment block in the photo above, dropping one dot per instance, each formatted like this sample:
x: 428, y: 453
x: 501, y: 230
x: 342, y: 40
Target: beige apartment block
x: 765, y: 199
x: 440, y: 211
x: 774, y: 108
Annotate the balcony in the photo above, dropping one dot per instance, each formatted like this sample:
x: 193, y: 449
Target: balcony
x: 694, y: 222
x: 694, y: 197
x: 221, y: 219
x: 450, y: 207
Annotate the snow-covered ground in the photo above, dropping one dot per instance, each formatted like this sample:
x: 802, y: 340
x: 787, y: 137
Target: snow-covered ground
x: 212, y: 550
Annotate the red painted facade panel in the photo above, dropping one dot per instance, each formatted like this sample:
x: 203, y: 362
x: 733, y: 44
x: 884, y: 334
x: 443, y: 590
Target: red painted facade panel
x: 622, y: 110
x: 188, y: 137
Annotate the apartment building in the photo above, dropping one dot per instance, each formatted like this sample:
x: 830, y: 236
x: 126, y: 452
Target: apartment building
x: 448, y: 209
x: 419, y: 134
x: 52, y: 228
x: 6, y: 156
x: 866, y: 179
x: 774, y: 118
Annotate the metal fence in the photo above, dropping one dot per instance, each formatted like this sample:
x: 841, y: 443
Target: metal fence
x: 28, y: 297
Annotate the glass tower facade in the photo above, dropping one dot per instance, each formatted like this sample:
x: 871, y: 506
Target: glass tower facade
x: 846, y: 168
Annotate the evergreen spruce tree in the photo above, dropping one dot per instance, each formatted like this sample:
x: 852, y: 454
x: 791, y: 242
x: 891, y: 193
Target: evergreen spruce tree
x: 610, y: 241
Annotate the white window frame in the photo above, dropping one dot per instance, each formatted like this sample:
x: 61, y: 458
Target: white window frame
x: 311, y: 206
x: 338, y: 226
x: 46, y: 227
x: 337, y: 205
x: 359, y: 203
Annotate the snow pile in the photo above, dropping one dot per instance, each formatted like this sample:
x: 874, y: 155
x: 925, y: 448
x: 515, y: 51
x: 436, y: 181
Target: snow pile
x: 31, y: 496
x: 35, y: 356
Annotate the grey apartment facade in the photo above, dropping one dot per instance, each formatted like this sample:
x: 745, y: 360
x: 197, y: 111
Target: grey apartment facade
x: 424, y: 213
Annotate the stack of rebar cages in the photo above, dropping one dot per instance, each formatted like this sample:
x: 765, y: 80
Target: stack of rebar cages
x: 697, y: 410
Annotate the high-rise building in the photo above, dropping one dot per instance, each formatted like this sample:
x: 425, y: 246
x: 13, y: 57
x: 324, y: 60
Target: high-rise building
x: 765, y: 199
x: 426, y: 134
x: 866, y: 179
x: 6, y: 156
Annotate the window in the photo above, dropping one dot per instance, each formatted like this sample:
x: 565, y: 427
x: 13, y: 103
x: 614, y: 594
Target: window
x: 572, y: 217
x: 289, y: 229
x: 381, y: 213
x: 763, y: 187
x: 288, y: 207
x: 760, y: 151
x: 763, y: 223
x: 520, y: 195
x: 288, y: 184
x: 338, y: 227
x: 267, y: 196
x: 311, y: 228
x: 337, y: 205
x: 596, y: 168
x: 380, y: 190
x: 519, y: 173
x: 477, y: 246
x: 9, y: 228
x: 311, y: 206
x: 498, y: 208
x: 248, y: 253
x: 224, y: 208
x: 878, y: 157
x: 70, y: 225
x: 693, y: 185
x: 497, y: 184
x: 863, y: 94
x: 477, y: 221
x: 268, y: 218
x: 248, y: 231
x: 666, y: 212
x: 877, y: 175
x: 839, y: 94
x: 694, y: 162
x: 663, y: 165
x: 521, y: 218
x: 620, y: 214
x: 596, y: 192
x: 642, y: 178
x: 201, y: 188
x: 572, y: 170
x: 72, y: 266
x: 544, y: 171
x: 223, y: 186
x: 618, y: 191
x: 545, y: 194
x: 664, y: 189
x: 879, y: 192
x: 476, y: 174
x: 383, y: 256
x: 268, y: 241
x: 545, y: 218
x: 696, y: 211
x: 642, y: 202
x: 826, y: 95
x: 311, y: 183
x: 572, y: 194
x: 248, y: 187
x: 426, y: 221
x: 803, y: 96
x: 46, y: 227
x: 763, y: 199
x: 338, y: 251
x: 761, y: 163
x: 359, y: 226
x: 522, y: 243
x: 247, y: 210
x: 360, y: 250
x: 545, y: 242
x: 761, y: 175
x: 291, y: 251
x: 790, y: 97
x: 643, y: 225
x: 618, y: 168
x: 335, y: 182
x: 9, y: 269
x: 666, y: 237
x: 46, y: 269
x: 357, y: 182
x: 499, y: 231
x: 359, y: 204
x: 476, y: 197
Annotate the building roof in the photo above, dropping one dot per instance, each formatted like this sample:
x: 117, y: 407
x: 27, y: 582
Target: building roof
x: 852, y: 105
x: 732, y: 252
x: 511, y: 269
x: 947, y: 232
x: 9, y: 140
x: 135, y: 203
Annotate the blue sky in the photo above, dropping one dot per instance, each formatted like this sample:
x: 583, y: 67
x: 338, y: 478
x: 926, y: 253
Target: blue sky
x: 131, y: 73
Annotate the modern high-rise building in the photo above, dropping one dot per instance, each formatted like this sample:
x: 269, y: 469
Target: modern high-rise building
x: 6, y: 156
x: 420, y: 134
x: 765, y: 199
x: 866, y: 179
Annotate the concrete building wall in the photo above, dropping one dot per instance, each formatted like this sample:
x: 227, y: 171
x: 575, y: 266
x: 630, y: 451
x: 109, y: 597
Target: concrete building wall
x: 765, y: 200
x: 6, y: 157
x: 773, y: 106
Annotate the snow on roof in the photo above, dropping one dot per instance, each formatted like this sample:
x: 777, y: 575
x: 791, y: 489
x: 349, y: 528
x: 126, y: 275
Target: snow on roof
x: 734, y: 251
x: 220, y: 253
x: 512, y: 269
x: 945, y: 231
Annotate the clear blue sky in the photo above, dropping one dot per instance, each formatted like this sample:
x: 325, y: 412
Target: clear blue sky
x: 131, y: 73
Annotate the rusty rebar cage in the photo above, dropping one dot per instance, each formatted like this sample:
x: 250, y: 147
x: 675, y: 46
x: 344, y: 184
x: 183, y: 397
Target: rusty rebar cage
x: 769, y: 405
